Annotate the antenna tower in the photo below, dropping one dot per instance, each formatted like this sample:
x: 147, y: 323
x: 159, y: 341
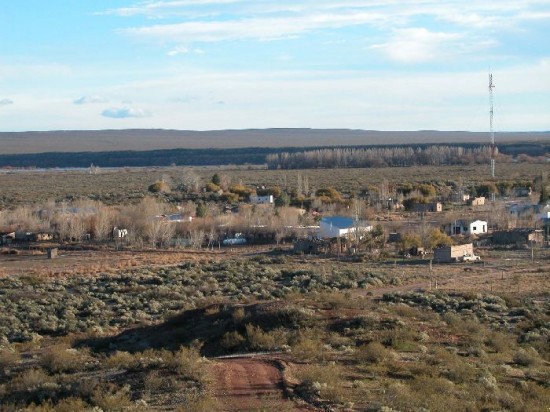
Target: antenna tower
x: 492, y: 131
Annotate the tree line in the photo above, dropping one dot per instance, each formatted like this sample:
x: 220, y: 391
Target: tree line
x: 381, y: 157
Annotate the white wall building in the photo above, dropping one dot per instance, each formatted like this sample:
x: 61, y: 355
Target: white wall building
x: 340, y: 226
x: 464, y: 227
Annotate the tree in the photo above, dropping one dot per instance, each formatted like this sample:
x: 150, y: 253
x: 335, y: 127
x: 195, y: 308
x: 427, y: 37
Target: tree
x: 283, y: 200
x: 216, y: 179
x: 409, y: 240
x: 201, y: 210
x: 426, y: 190
x: 544, y: 192
x: 437, y: 238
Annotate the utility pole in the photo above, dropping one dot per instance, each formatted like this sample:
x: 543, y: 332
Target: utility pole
x: 491, y: 128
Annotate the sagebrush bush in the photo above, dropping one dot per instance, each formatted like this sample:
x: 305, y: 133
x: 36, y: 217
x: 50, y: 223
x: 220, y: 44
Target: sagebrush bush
x: 232, y: 340
x: 8, y: 359
x: 373, y: 352
x: 189, y: 364
x: 526, y: 357
x: 113, y: 398
x: 62, y: 358
x: 121, y: 360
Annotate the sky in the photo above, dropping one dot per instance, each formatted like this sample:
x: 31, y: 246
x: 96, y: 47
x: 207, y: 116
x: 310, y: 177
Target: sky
x: 241, y: 64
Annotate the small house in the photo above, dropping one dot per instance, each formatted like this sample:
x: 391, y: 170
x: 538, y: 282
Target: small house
x: 455, y: 253
x: 477, y: 201
x: 432, y: 207
x: 339, y: 226
x: 466, y: 228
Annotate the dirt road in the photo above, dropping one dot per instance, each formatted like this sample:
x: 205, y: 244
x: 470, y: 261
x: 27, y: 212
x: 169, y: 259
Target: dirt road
x: 250, y: 384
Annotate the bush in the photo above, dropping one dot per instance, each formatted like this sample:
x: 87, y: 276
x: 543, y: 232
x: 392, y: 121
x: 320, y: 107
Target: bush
x: 189, y: 364
x: 61, y: 358
x: 324, y: 381
x: 231, y: 340
x: 526, y: 357
x: 30, y: 380
x: 121, y: 360
x: 374, y: 352
x: 159, y: 187
x: 8, y: 359
x: 71, y: 404
x: 260, y: 340
x: 113, y: 399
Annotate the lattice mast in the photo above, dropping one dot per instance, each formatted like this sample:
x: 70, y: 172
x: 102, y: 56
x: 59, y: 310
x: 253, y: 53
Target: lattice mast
x: 491, y: 128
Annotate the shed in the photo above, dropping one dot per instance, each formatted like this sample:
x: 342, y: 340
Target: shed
x: 477, y: 201
x: 432, y: 207
x: 453, y: 253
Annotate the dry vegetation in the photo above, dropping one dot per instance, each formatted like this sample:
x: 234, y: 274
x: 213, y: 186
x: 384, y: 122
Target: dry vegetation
x: 146, y: 338
x: 146, y: 328
x: 115, y: 186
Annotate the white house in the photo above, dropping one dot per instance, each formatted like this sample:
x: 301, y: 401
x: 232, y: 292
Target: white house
x: 464, y: 227
x: 339, y: 226
x: 262, y: 200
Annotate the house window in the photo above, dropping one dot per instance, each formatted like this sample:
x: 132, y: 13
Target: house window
x: 474, y: 228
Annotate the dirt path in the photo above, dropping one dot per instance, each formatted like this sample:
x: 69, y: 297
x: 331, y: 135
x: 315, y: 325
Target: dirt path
x: 249, y: 384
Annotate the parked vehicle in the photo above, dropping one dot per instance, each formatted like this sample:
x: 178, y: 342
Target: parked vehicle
x: 470, y: 258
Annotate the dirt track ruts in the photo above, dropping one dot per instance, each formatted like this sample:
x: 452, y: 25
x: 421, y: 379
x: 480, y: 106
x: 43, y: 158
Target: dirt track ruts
x: 244, y: 384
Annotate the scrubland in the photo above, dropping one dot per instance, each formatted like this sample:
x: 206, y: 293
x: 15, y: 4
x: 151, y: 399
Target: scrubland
x: 347, y: 335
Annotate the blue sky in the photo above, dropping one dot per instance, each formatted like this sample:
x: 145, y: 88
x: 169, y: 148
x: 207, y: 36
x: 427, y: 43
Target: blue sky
x: 236, y: 64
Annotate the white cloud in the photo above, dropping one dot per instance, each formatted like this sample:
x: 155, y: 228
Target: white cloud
x: 160, y: 9
x: 251, y: 28
x: 417, y: 45
x: 125, y: 113
x: 6, y: 102
x: 184, y: 50
x: 90, y: 99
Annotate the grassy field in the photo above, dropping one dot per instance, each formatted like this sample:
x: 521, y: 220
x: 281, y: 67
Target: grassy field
x: 114, y: 186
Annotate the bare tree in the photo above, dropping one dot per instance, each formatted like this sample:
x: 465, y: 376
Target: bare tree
x: 197, y: 238
x: 190, y: 180
x: 102, y: 222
